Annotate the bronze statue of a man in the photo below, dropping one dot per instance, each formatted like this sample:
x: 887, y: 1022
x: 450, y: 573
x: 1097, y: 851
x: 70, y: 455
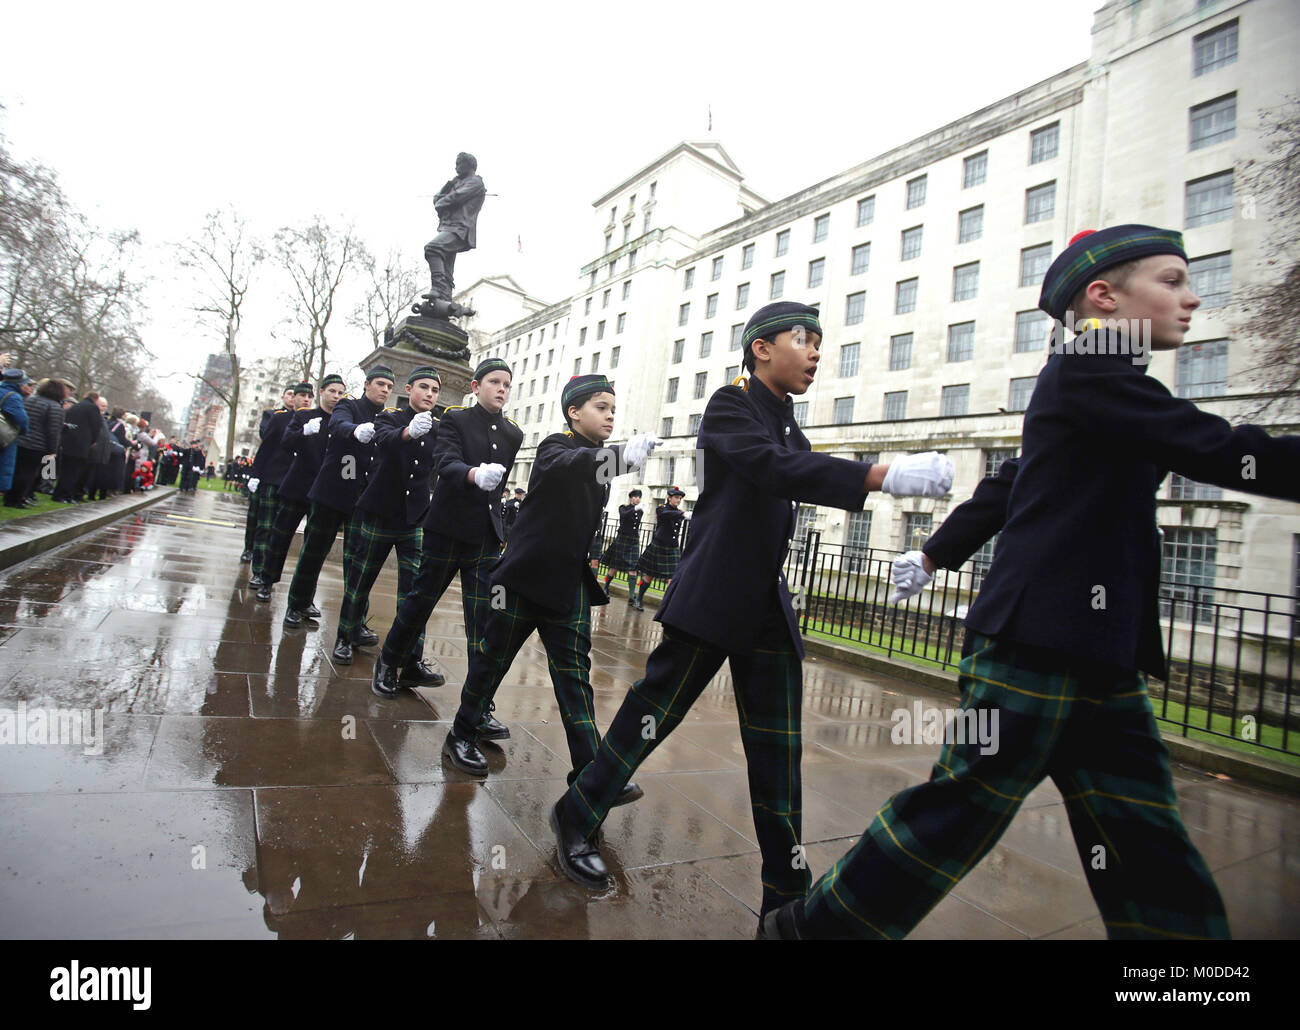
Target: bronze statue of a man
x: 457, y: 204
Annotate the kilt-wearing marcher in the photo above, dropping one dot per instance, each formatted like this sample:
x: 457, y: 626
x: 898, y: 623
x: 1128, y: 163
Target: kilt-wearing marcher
x: 254, y: 501
x: 269, y: 468
x: 344, y: 473
x: 305, y: 438
x: 463, y: 531
x: 623, y: 552
x: 756, y: 466
x: 664, y: 553
x: 390, y: 516
x: 1063, y: 673
x: 550, y: 588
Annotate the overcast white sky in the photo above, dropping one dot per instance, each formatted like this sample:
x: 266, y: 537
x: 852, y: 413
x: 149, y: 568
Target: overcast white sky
x: 154, y: 114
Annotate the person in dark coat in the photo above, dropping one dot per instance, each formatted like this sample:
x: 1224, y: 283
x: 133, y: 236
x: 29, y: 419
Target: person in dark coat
x: 624, y: 551
x: 510, y: 509
x: 15, y: 387
x: 549, y: 582
x: 660, y: 559
x: 344, y: 472
x: 306, y: 437
x: 38, y: 448
x: 1066, y: 624
x: 83, y: 426
x: 729, y: 601
x: 269, y: 469
x: 391, y: 511
x: 463, y: 531
x: 250, y: 484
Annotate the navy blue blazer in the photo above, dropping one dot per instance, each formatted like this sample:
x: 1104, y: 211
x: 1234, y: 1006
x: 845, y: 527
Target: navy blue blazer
x: 668, y: 525
x: 757, y: 465
x: 468, y: 437
x: 306, y: 454
x: 548, y: 555
x: 397, y: 492
x: 346, y: 464
x: 272, y: 460
x: 1099, y: 437
x: 629, y: 518
x: 974, y: 522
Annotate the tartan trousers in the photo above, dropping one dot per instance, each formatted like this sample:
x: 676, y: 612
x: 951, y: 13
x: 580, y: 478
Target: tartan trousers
x: 768, y: 685
x: 567, y: 639
x: 318, y: 536
x: 266, y: 510
x: 373, y: 541
x: 440, y: 559
x: 287, y: 516
x: 1094, y: 734
x: 250, y: 521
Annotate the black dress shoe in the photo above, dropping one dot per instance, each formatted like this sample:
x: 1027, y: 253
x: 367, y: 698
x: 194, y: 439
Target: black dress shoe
x: 342, y: 652
x: 292, y: 619
x: 464, y: 755
x: 264, y: 592
x: 246, y: 557
x: 578, y: 856
x: 311, y: 612
x: 384, y: 681
x: 420, y: 675
x: 255, y: 580
x: 636, y: 603
x: 490, y: 729
x: 365, y: 637
x: 627, y: 795
x: 782, y: 924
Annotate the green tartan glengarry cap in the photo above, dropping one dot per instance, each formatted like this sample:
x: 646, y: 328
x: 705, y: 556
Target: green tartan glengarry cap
x: 489, y: 365
x: 579, y: 388
x: 1090, y: 253
x: 331, y: 379
x: 424, y: 372
x: 380, y: 372
x: 772, y: 319
x: 303, y: 387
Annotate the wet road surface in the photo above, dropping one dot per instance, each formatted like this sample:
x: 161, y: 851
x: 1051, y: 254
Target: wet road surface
x: 246, y: 787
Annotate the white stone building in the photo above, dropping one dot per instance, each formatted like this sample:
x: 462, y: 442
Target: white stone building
x: 926, y: 262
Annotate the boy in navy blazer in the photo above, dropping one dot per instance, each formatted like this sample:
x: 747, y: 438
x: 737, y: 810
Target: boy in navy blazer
x: 1066, y: 623
x: 757, y: 465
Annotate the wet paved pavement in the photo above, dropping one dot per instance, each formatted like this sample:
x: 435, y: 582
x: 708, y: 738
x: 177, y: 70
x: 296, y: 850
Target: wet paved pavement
x: 247, y: 787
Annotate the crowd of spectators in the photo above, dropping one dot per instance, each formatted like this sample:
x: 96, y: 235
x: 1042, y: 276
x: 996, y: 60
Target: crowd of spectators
x: 76, y: 450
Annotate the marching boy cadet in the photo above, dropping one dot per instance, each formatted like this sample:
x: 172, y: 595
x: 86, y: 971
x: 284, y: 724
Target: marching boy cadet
x: 757, y: 466
x: 1066, y: 624
x: 304, y: 439
x: 250, y: 519
x: 623, y: 551
x: 661, y: 558
x: 392, y: 508
x: 334, y: 493
x: 549, y: 582
x: 269, y: 468
x: 463, y: 531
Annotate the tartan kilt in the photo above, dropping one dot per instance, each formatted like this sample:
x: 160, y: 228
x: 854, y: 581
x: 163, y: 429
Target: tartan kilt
x: 622, y: 553
x: 659, y: 560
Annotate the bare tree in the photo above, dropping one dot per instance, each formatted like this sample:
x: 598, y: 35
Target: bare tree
x: 318, y: 260
x: 393, y: 288
x: 223, y: 257
x: 1270, y: 188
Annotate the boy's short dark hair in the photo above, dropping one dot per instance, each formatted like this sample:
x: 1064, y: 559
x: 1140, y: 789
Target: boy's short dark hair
x: 1117, y: 275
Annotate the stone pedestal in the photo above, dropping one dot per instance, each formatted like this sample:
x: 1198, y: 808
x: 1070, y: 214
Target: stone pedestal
x: 418, y: 341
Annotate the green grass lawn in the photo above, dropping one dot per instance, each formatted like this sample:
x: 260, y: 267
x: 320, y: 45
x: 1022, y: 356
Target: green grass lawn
x: 43, y: 504
x: 215, y: 483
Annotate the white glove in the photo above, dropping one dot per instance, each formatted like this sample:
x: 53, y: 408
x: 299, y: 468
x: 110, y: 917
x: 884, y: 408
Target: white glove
x: 919, y: 475
x: 195, y: 468
x: 252, y: 485
x: 365, y: 432
x: 312, y: 427
x: 909, y: 576
x: 488, y: 476
x: 638, y: 449
x: 421, y: 424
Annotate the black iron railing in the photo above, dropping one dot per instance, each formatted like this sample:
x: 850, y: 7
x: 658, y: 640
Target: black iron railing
x: 1232, y: 653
